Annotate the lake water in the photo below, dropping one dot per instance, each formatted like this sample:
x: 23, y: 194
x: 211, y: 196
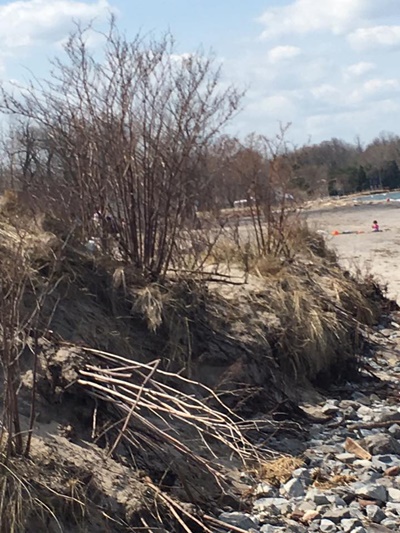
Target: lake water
x: 380, y: 197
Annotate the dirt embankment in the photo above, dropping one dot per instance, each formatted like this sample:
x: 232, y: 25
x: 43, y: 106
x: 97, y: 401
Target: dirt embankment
x: 152, y: 400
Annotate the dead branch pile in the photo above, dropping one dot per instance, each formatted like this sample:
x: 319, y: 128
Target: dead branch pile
x: 158, y: 413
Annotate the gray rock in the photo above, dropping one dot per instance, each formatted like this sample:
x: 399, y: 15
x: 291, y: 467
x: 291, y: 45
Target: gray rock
x: 349, y: 524
x: 337, y: 501
x: 241, y: 520
x: 373, y: 492
x: 294, y: 488
x: 364, y: 411
x: 269, y: 506
x: 361, y: 398
x: 359, y: 529
x: 350, y: 413
x: 393, y: 507
x: 393, y: 494
x: 303, y: 474
x: 337, y: 515
x: 286, y: 508
x: 383, y: 462
x: 381, y: 444
x: 386, y: 414
x: 264, y: 489
x: 307, y: 506
x: 346, y: 457
x: 363, y: 463
x: 394, y: 525
x: 327, y: 526
x: 330, y: 409
x: 268, y: 528
x: 395, y: 430
x: 375, y: 514
x: 317, y: 497
x: 294, y: 527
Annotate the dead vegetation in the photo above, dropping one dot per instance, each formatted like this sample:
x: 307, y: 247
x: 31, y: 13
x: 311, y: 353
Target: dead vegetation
x: 278, y: 471
x: 225, y: 352
x: 145, y: 348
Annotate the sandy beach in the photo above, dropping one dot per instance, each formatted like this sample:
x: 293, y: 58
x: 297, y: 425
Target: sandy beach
x: 375, y: 253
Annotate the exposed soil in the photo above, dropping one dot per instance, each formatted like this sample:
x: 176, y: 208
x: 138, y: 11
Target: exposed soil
x: 262, y: 348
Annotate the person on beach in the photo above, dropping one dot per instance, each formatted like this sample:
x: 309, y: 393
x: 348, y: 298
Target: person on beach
x: 375, y: 225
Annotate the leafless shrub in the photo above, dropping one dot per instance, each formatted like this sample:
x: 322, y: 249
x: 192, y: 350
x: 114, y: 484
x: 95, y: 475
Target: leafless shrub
x: 121, y: 137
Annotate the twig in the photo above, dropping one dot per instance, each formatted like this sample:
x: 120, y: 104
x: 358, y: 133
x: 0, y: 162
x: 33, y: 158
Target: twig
x: 134, y: 405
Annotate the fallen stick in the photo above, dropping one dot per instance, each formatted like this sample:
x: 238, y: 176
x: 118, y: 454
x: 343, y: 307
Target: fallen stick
x: 373, y: 425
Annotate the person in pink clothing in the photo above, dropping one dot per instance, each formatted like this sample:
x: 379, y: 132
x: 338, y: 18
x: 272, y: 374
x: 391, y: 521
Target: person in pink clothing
x: 375, y: 225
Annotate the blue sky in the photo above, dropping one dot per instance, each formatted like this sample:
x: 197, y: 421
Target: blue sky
x: 330, y: 67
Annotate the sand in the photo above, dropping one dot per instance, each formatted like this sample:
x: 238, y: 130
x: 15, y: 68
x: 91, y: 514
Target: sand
x: 368, y: 252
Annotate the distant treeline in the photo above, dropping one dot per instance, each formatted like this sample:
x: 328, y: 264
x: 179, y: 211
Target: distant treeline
x: 333, y: 167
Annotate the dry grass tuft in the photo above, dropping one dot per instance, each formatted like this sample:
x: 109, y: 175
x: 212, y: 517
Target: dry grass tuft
x: 149, y: 302
x: 323, y: 481
x: 279, y: 470
x: 21, y: 504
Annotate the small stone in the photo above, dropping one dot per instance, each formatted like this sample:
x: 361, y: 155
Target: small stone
x: 270, y: 506
x: 241, y: 520
x: 373, y: 492
x: 330, y: 409
x: 337, y: 515
x: 337, y: 501
x: 375, y: 514
x: 386, y: 415
x: 294, y: 488
x: 395, y: 431
x: 361, y: 398
x: 359, y: 529
x: 393, y: 495
x: 326, y: 526
x: 374, y: 398
x: 364, y: 411
x: 268, y: 528
x: 303, y: 474
x: 365, y: 503
x: 393, y: 507
x: 349, y: 524
x: 394, y: 525
x: 264, y: 489
x: 381, y: 444
x: 317, y: 497
x: 346, y: 457
x: 309, y: 516
x: 363, y: 463
x: 307, y: 506
x: 383, y: 462
x: 393, y: 471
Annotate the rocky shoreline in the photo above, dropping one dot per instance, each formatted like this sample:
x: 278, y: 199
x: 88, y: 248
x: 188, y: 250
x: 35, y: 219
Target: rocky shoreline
x: 349, y: 474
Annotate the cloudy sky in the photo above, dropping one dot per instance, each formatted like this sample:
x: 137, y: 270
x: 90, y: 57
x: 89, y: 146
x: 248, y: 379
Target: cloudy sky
x: 330, y: 67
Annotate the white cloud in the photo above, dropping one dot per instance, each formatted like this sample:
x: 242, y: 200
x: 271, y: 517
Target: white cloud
x: 274, y: 107
x: 377, y: 85
x: 364, y: 38
x: 31, y: 22
x: 304, y: 16
x: 326, y: 93
x: 282, y: 53
x: 359, y: 69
